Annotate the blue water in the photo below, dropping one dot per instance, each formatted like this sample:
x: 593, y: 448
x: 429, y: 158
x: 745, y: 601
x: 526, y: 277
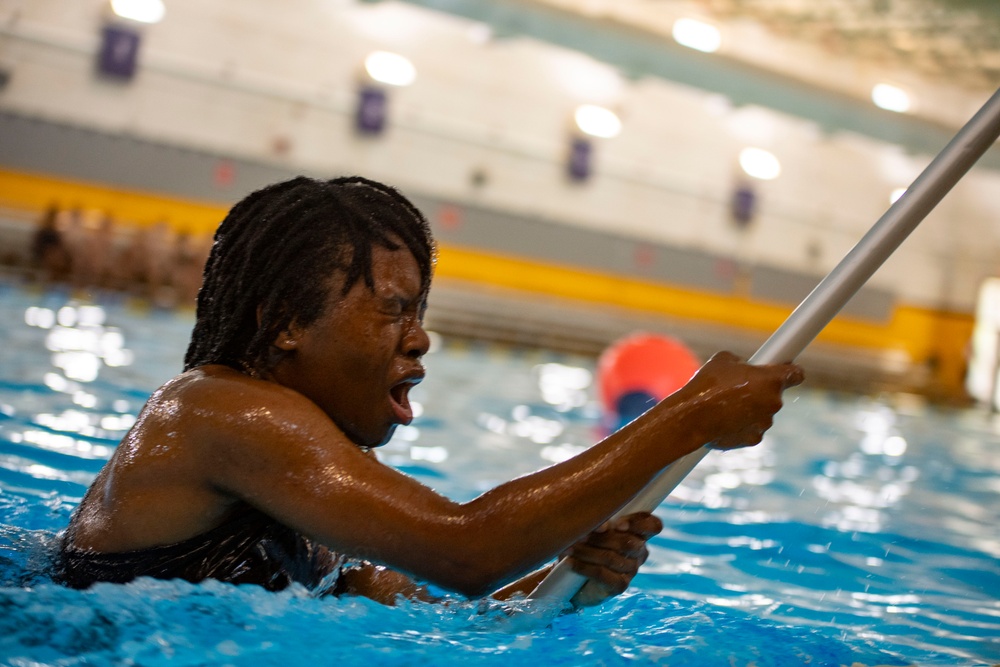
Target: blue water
x: 864, y: 530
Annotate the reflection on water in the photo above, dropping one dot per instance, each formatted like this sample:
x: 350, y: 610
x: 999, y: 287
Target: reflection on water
x: 725, y: 471
x: 80, y: 344
x: 865, y: 484
x: 565, y: 387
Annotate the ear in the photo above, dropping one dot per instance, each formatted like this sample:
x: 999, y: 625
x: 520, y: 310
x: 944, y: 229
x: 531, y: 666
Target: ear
x: 288, y: 338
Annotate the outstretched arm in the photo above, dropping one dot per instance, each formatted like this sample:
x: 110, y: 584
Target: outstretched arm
x: 280, y: 453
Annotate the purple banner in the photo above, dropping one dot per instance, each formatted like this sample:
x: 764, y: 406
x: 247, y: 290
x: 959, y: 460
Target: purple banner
x: 372, y: 110
x: 119, y: 52
x: 580, y: 153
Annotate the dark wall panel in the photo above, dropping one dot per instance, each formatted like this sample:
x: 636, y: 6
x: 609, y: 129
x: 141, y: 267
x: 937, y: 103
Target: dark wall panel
x: 120, y: 160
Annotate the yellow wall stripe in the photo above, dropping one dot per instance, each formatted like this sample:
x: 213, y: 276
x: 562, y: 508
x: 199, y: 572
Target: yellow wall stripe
x: 910, y: 329
x: 35, y: 192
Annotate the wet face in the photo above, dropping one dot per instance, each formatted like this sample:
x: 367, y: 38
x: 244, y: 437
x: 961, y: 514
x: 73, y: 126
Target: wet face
x: 361, y: 357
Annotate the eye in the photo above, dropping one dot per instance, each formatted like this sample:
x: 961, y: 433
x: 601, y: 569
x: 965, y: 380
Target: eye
x: 394, y: 306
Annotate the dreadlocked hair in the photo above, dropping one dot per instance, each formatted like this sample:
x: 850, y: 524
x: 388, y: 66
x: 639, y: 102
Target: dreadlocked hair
x: 275, y: 252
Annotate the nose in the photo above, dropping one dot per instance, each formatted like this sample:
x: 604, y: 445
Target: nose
x: 416, y: 343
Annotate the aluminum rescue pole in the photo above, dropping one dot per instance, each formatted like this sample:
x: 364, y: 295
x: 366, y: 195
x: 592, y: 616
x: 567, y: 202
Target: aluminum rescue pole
x: 825, y: 301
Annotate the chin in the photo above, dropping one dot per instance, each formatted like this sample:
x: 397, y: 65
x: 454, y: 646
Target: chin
x: 367, y: 439
x: 386, y: 437
x: 373, y: 441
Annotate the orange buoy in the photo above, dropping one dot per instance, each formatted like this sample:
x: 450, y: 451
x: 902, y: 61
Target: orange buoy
x: 639, y: 370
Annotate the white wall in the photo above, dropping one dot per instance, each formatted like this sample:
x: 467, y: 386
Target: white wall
x: 240, y: 76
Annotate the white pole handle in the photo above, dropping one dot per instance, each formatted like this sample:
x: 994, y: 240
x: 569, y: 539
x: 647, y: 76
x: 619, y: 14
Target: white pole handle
x: 825, y: 301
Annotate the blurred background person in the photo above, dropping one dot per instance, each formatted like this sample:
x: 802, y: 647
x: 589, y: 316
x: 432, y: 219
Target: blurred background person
x: 93, y: 256
x: 50, y: 258
x: 190, y: 253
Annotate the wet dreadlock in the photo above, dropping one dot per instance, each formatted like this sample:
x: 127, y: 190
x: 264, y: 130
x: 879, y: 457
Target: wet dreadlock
x: 275, y: 252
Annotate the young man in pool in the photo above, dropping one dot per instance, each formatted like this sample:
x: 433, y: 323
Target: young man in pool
x: 255, y: 464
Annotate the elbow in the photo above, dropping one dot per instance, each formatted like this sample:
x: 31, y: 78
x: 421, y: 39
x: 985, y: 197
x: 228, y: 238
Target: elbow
x: 476, y: 580
x: 475, y: 590
x: 474, y: 573
x: 478, y: 553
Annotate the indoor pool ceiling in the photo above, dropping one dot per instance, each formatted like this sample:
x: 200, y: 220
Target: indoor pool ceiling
x: 812, y: 59
x: 954, y: 41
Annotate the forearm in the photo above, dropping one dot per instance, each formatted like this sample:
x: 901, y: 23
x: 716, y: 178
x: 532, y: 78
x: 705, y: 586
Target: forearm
x: 383, y: 584
x: 523, y: 523
x: 578, y: 494
x: 527, y: 521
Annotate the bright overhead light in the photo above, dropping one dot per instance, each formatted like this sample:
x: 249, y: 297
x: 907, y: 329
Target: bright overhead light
x: 890, y: 98
x: 390, y: 68
x: 480, y: 33
x: 896, y: 194
x: 697, y: 35
x: 759, y: 163
x: 597, y: 121
x: 144, y: 11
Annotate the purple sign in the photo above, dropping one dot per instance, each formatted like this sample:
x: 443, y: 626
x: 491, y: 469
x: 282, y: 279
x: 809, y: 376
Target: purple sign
x: 119, y: 52
x: 743, y: 204
x: 580, y: 152
x: 372, y: 110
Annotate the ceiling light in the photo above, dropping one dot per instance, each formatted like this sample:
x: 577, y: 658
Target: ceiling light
x: 896, y: 194
x: 759, y: 163
x: 597, y: 121
x: 390, y: 68
x: 480, y: 33
x: 697, y: 35
x: 890, y: 98
x: 144, y: 11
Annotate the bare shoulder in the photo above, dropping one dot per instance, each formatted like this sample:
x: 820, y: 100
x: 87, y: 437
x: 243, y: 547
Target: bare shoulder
x: 221, y: 393
x: 196, y: 434
x: 246, y: 438
x: 223, y: 410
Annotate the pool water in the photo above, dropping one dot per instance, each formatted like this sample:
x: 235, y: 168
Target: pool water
x: 863, y: 530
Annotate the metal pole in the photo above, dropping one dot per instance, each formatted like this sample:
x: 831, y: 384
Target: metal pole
x: 825, y: 301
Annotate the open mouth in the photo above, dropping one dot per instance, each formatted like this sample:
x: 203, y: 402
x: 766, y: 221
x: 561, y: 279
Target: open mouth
x: 399, y: 396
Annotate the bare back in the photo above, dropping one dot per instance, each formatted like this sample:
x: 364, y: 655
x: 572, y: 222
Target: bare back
x: 157, y: 488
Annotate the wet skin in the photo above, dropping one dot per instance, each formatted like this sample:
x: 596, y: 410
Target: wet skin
x: 359, y: 359
x: 294, y: 444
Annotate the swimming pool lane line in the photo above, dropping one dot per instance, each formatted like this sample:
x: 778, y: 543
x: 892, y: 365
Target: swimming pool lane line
x: 824, y: 302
